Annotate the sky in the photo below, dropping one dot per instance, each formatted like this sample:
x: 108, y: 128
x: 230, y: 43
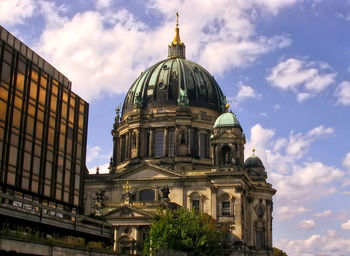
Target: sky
x: 284, y: 66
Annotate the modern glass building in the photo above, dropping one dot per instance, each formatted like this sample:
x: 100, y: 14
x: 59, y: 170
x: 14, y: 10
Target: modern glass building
x: 43, y: 129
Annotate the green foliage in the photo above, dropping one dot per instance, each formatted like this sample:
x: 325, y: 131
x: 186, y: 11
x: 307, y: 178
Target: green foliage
x: 185, y: 231
x: 278, y: 252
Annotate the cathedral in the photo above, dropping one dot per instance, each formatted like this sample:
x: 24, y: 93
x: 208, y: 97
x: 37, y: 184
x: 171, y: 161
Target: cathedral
x: 176, y: 143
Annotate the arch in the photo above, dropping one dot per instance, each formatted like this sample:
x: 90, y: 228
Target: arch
x: 147, y: 195
x: 226, y: 204
x: 196, y: 201
x: 225, y: 155
x: 259, y: 235
x: 126, y: 245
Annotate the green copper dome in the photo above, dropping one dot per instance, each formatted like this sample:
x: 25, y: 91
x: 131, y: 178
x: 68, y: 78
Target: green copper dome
x: 175, y: 81
x: 227, y: 120
x: 253, y: 162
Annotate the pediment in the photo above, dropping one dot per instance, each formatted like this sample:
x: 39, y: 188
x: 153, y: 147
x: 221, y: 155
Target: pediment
x: 126, y: 211
x: 147, y: 171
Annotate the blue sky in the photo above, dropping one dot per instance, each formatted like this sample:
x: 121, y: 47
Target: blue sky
x: 283, y: 65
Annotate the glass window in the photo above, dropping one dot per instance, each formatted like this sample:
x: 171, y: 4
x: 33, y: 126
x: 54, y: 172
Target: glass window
x: 69, y: 146
x: 33, y: 90
x: 25, y: 183
x: 35, y: 186
x: 81, y: 107
x: 76, y: 200
x: 21, y: 66
x: 159, y: 152
x: 13, y: 156
x: 4, y: 93
x: 47, y: 190
x: 51, y: 137
x: 36, y: 165
x: 14, y: 139
x: 67, y: 179
x: 11, y: 178
x: 37, y: 150
x: 203, y: 145
x: 77, y: 181
x: 20, y: 82
x: 192, y: 143
x: 48, y: 170
x: 43, y: 81
x: 66, y: 196
x: 40, y: 114
x: 42, y: 95
x: 53, y: 103
x: 39, y: 130
x: 64, y: 110
x: 62, y: 142
x: 18, y: 102
x: 59, y: 176
x: 35, y: 76
x: 259, y: 240
x: 31, y: 110
x: 8, y: 56
x: 195, y: 205
x: 81, y: 121
x: 3, y: 108
x: 171, y: 144
x: 72, y: 101
x: 147, y: 195
x: 16, y: 121
x: 71, y: 115
x: 58, y: 194
x: 226, y: 208
x: 65, y: 96
x: 5, y: 73
x: 78, y: 151
x: 26, y: 161
x: 28, y: 145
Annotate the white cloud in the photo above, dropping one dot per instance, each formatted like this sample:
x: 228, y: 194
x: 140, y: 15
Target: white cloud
x: 329, y: 244
x: 103, y: 52
x: 101, y: 169
x: 346, y: 161
x: 297, y: 183
x: 323, y: 214
x: 244, y: 93
x: 95, y: 154
x: 306, y: 79
x: 14, y: 12
x: 343, y: 93
x: 307, y: 224
x: 346, y: 225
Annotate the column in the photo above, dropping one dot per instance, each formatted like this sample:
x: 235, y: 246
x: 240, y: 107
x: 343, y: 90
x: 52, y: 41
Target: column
x: 166, y: 141
x: 176, y: 141
x: 127, y: 141
x: 150, y: 143
x: 214, y: 207
x: 115, y: 244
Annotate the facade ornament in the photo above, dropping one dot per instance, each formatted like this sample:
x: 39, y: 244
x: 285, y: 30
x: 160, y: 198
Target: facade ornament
x: 99, y: 202
x: 183, y: 98
x: 138, y: 103
x: 165, y: 192
x: 127, y: 196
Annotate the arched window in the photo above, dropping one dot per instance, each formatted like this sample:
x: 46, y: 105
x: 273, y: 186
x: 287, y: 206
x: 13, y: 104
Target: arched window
x: 147, y: 195
x: 203, y: 145
x: 225, y: 205
x: 259, y: 235
x: 225, y: 156
x: 196, y: 202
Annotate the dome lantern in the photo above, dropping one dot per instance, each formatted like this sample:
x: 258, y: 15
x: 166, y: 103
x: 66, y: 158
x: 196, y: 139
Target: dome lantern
x: 176, y: 47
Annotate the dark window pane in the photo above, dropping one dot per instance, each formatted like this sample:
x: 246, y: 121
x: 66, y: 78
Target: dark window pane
x: 5, y: 73
x: 30, y: 125
x: 39, y: 130
x: 11, y: 178
x: 203, y: 145
x: 77, y: 182
x: 13, y: 156
x: 21, y: 67
x: 36, y: 165
x: 195, y: 205
x: 171, y: 144
x: 26, y: 162
x: 147, y: 195
x: 159, y: 152
x: 25, y: 183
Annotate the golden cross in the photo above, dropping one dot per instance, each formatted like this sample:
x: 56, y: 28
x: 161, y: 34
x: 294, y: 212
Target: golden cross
x: 177, y: 19
x: 253, y: 151
x: 126, y: 187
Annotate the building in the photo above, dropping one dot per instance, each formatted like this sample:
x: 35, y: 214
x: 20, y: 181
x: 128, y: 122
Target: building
x: 176, y: 143
x: 43, y: 131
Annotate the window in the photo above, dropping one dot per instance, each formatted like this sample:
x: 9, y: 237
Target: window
x: 159, y: 144
x: 147, y: 195
x: 192, y: 143
x: 203, y: 145
x: 195, y: 205
x: 259, y: 240
x: 226, y: 209
x: 171, y: 144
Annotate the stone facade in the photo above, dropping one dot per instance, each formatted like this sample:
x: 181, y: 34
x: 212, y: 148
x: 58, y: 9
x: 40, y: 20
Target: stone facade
x: 184, y: 154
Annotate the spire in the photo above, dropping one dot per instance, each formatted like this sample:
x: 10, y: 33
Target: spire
x: 253, y: 151
x: 176, y: 47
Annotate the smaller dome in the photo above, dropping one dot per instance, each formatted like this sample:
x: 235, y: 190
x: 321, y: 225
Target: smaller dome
x: 253, y: 162
x: 227, y: 120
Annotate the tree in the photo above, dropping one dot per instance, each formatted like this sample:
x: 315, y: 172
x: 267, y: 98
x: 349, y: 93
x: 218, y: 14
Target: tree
x: 182, y: 230
x: 278, y: 252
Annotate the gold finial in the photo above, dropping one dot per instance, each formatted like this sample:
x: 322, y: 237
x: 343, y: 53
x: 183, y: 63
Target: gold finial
x: 227, y: 106
x: 177, y: 40
x: 127, y: 187
x: 253, y: 151
x: 177, y: 19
